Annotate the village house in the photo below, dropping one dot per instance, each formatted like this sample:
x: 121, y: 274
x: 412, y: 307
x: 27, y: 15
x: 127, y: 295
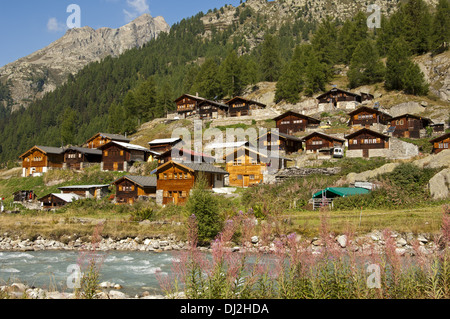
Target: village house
x: 101, y: 139
x: 187, y: 105
x: 129, y: 188
x: 52, y: 201
x: 280, y: 142
x: 79, y: 158
x: 409, y: 125
x: 292, y: 122
x: 118, y: 156
x: 163, y: 145
x: 176, y: 180
x: 321, y: 143
x: 340, y: 99
x: 184, y: 155
x: 248, y: 167
x: 86, y: 191
x: 440, y: 143
x: 365, y: 116
x: 41, y: 159
x: 367, y: 143
x: 239, y: 106
x: 24, y: 196
x: 212, y: 110
x: 218, y: 150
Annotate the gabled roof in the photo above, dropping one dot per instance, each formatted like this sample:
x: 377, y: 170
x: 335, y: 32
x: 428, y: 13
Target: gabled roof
x: 84, y: 150
x: 254, y: 151
x: 365, y: 130
x: 247, y: 100
x: 440, y: 138
x: 45, y: 150
x: 82, y: 187
x: 310, y: 119
x: 68, y: 198
x: 114, y: 137
x: 127, y: 146
x: 341, y: 192
x: 187, y: 152
x: 418, y: 117
x: 229, y: 145
x: 165, y: 141
x: 194, y: 167
x: 214, y: 103
x: 324, y: 136
x: 194, y: 97
x: 336, y: 90
x: 143, y: 181
x: 368, y: 109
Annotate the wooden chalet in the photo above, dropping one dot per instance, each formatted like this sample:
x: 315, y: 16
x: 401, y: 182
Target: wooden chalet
x: 187, y: 104
x: 176, y: 180
x: 86, y: 191
x: 239, y: 106
x: 409, y: 125
x: 118, y: 156
x: 24, y: 196
x: 366, y: 140
x: 40, y: 159
x: 317, y: 142
x: 440, y: 143
x: 101, y: 139
x: 163, y: 145
x: 292, y: 122
x: 247, y: 166
x: 184, y: 155
x: 81, y: 157
x: 280, y: 142
x: 212, y: 110
x: 130, y: 188
x: 336, y: 96
x: 57, y: 200
x: 366, y: 116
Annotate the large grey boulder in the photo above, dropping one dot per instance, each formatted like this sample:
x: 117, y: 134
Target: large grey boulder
x: 439, y: 185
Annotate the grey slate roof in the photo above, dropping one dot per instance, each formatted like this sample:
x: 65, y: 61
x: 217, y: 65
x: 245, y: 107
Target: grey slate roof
x: 51, y: 150
x: 204, y: 167
x: 116, y: 137
x: 143, y: 181
x: 84, y: 150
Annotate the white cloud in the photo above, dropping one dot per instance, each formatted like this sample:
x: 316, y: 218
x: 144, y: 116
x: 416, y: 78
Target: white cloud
x: 53, y: 25
x: 137, y: 8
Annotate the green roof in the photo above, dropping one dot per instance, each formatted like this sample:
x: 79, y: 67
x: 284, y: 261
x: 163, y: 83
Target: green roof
x: 341, y: 192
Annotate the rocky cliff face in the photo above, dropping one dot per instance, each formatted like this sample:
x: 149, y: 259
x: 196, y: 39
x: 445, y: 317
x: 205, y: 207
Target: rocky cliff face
x: 44, y: 70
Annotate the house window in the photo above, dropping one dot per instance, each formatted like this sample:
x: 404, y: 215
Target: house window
x: 355, y: 142
x: 316, y: 142
x: 165, y: 176
x: 106, y: 153
x: 252, y: 177
x: 239, y: 177
x: 175, y: 176
x: 445, y: 145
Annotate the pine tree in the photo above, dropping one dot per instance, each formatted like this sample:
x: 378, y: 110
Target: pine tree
x: 352, y: 33
x: 316, y: 73
x: 145, y: 101
x: 440, y: 30
x: 116, y: 118
x: 413, y: 80
x: 396, y: 64
x: 207, y: 82
x: 68, y: 126
x: 231, y: 75
x: 365, y: 66
x: 416, y: 25
x: 325, y: 43
x: 270, y: 61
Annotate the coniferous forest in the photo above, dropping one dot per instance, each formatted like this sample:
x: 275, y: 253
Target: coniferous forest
x: 119, y: 94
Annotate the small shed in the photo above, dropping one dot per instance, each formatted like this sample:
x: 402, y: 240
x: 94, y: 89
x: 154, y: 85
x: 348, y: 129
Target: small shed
x: 24, y: 196
x: 55, y: 200
x: 86, y: 191
x: 326, y: 196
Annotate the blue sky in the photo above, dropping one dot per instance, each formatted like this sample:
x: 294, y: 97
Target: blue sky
x: 29, y: 25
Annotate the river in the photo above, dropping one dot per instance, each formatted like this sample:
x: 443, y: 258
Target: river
x: 134, y: 271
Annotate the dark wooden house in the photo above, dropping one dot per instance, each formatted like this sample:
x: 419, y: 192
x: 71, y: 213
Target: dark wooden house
x: 81, y: 157
x: 317, y: 142
x: 292, y: 122
x: 187, y: 105
x: 336, y: 96
x: 86, y: 191
x: 163, y: 145
x: 440, y: 143
x: 57, y: 200
x: 24, y: 196
x: 118, y: 156
x: 366, y: 116
x: 409, y: 125
x: 176, y: 180
x: 130, y: 188
x: 212, y: 110
x: 280, y: 142
x: 366, y: 140
x: 184, y: 155
x: 239, y: 106
x: 101, y: 139
x: 40, y: 159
